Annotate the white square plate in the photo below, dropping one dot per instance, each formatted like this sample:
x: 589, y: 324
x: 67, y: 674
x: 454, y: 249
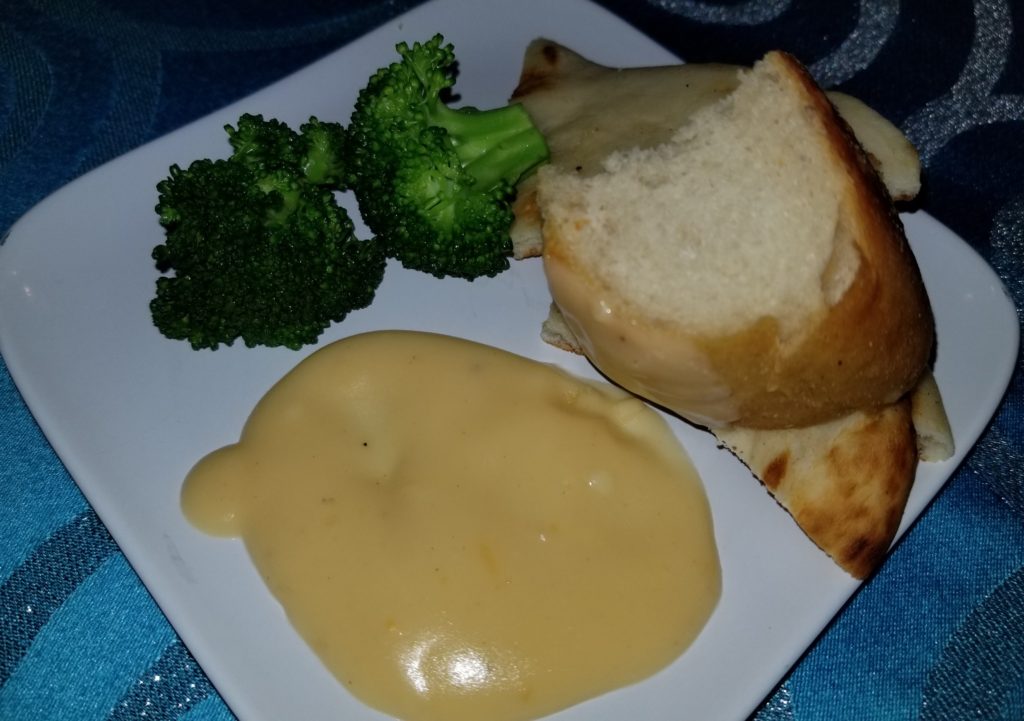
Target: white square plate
x: 129, y: 412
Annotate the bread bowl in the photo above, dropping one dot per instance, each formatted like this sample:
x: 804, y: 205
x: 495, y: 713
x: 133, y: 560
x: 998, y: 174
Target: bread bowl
x: 750, y: 271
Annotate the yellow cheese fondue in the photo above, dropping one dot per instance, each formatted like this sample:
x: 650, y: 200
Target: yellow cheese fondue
x: 462, y: 534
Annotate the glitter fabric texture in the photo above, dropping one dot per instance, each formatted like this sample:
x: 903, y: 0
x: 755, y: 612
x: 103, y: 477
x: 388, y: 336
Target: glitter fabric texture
x: 937, y: 635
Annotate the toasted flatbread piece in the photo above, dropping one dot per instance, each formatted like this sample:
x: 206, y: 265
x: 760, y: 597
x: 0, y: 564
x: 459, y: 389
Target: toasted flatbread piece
x: 557, y: 332
x: 931, y: 424
x: 587, y: 111
x: 845, y: 482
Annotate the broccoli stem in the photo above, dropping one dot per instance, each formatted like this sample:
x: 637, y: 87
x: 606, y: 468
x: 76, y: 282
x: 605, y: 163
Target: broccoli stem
x: 494, y: 146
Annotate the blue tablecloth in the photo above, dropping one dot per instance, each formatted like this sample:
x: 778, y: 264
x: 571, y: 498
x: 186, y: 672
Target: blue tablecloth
x: 937, y: 634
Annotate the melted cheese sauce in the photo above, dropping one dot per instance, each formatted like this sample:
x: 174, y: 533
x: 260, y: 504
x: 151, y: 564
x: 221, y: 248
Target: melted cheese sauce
x: 464, y: 534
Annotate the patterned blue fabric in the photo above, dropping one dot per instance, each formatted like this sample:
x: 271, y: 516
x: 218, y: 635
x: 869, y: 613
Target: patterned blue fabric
x: 937, y: 635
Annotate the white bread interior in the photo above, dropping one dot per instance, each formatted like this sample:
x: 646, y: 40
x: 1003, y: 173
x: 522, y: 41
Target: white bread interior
x: 587, y: 111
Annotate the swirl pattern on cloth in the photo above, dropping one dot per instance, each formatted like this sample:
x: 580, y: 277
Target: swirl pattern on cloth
x: 980, y: 674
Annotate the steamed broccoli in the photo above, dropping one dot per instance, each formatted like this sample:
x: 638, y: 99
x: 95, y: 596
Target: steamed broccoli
x: 434, y: 183
x: 317, y: 150
x: 258, y: 246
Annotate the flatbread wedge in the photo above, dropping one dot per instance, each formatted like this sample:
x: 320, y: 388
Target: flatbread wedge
x: 845, y: 482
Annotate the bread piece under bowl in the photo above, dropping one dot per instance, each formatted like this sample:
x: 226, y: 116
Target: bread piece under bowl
x: 750, y: 271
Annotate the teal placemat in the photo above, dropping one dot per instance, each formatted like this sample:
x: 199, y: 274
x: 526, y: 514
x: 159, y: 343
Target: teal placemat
x: 937, y: 634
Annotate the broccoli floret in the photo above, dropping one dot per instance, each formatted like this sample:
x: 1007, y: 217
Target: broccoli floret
x: 257, y: 245
x: 434, y: 183
x: 317, y: 149
x: 263, y: 144
x: 323, y: 152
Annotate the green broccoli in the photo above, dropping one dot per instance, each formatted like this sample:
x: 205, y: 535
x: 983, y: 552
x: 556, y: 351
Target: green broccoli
x: 435, y: 184
x: 257, y: 243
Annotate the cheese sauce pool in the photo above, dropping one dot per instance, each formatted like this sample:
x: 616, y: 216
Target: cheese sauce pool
x: 461, y: 533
